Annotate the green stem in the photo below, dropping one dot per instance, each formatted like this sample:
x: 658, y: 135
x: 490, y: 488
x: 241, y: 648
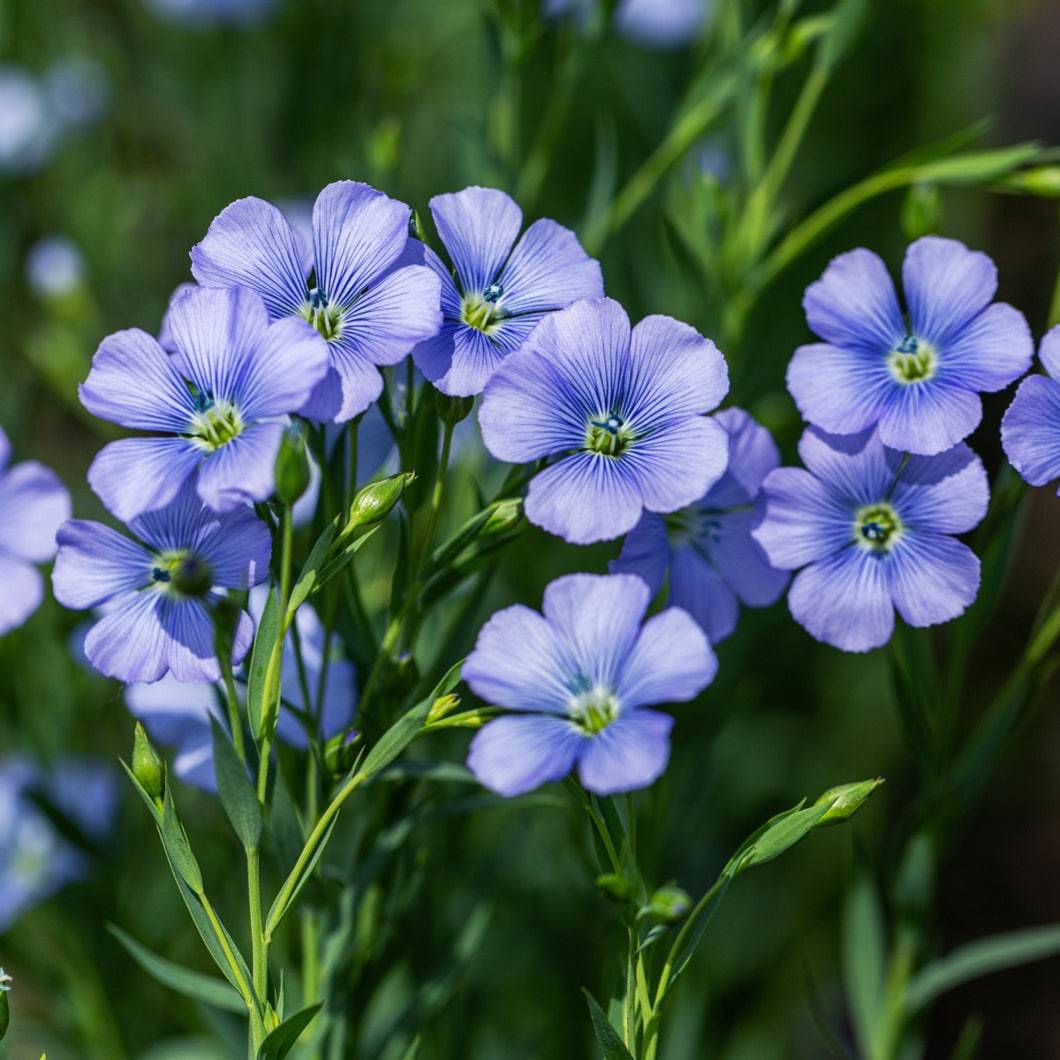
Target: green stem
x: 259, y: 947
x: 235, y: 721
x: 246, y: 992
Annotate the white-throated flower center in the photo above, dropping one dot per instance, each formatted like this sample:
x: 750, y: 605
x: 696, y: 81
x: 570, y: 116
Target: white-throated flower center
x: 877, y: 527
x: 482, y: 310
x: 913, y: 360
x: 324, y: 316
x: 181, y: 573
x: 215, y: 423
x: 593, y: 709
x: 608, y: 434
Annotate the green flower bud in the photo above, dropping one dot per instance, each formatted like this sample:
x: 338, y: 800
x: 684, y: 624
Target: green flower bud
x: 920, y: 211
x: 614, y: 886
x: 442, y: 707
x: 451, y: 410
x: 845, y: 800
x: 340, y: 752
x: 5, y: 1011
x: 146, y: 765
x: 375, y: 502
x: 506, y: 515
x: 1041, y: 180
x: 292, y: 466
x: 669, y: 905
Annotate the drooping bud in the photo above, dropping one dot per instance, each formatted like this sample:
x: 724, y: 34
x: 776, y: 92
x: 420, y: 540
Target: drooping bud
x: 147, y: 765
x: 451, y: 410
x: 669, y: 905
x: 375, y: 502
x: 845, y: 800
x: 5, y: 1010
x: 614, y: 886
x: 292, y: 466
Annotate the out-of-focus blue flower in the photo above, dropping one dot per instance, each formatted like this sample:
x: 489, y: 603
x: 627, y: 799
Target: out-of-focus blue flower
x: 55, y: 267
x: 502, y: 287
x: 620, y: 409
x: 364, y: 287
x: 918, y: 382
x: 1030, y: 431
x: 26, y: 132
x: 160, y: 589
x: 224, y: 430
x: 651, y: 23
x: 177, y: 714
x: 870, y: 527
x: 35, y: 859
x: 713, y: 562
x: 214, y: 12
x: 77, y: 90
x: 33, y: 504
x: 580, y: 678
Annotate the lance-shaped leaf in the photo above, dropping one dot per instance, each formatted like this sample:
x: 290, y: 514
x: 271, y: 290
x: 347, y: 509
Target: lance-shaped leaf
x: 270, y: 630
x: 282, y: 1039
x: 607, y: 1037
x: 238, y: 797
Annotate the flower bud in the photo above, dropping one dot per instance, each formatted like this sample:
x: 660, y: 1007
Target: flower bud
x: 146, y: 765
x: 451, y: 410
x: 920, y: 211
x: 5, y: 1011
x: 375, y: 502
x: 442, y: 707
x: 340, y: 752
x: 292, y: 466
x: 1041, y: 180
x: 846, y: 800
x: 669, y: 905
x: 614, y: 886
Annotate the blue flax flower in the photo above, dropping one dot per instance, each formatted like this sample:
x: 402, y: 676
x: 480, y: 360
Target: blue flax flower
x: 36, y: 859
x: 579, y: 679
x: 918, y: 378
x: 620, y: 409
x: 1030, y: 431
x: 651, y: 23
x: 502, y: 287
x: 33, y: 504
x: 220, y: 399
x: 713, y: 562
x: 870, y: 527
x: 177, y: 714
x: 159, y: 590
x: 363, y: 286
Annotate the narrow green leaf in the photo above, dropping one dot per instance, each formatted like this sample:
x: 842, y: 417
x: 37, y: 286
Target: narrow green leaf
x: 979, y: 958
x: 282, y: 1040
x: 606, y: 1036
x: 864, y: 956
x: 397, y: 738
x: 781, y: 836
x: 196, y: 985
x: 280, y: 907
x: 343, y: 559
x: 307, y: 582
x: 238, y: 797
x: 847, y: 19
x: 175, y: 840
x: 269, y: 630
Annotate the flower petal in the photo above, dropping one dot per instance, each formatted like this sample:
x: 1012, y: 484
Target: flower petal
x: 23, y: 592
x: 350, y: 387
x: 992, y: 351
x: 856, y: 469
x: 358, y: 233
x: 190, y: 639
x: 698, y: 588
x: 134, y: 382
x: 854, y: 305
x: 1049, y: 352
x: 241, y: 471
x: 33, y: 505
x: 646, y: 552
x: 948, y: 493
x: 518, y: 663
x: 839, y: 390
x: 946, y: 285
x: 251, y: 244
x: 630, y: 753
x: 95, y: 564
x: 933, y: 578
x: 926, y: 418
x: 743, y: 563
x: 290, y: 359
x: 136, y: 475
x: 237, y: 546
x: 513, y: 755
x: 129, y: 642
x: 548, y: 269
x: 752, y: 455
x: 845, y: 600
x: 1030, y: 431
x: 478, y: 227
x: 671, y: 662
x: 798, y: 520
x: 678, y: 463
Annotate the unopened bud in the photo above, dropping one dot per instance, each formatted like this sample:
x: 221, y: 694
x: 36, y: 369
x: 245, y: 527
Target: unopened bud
x: 292, y: 466
x: 451, y: 410
x: 669, y: 905
x: 375, y: 502
x: 846, y: 800
x: 1041, y: 180
x: 506, y: 515
x: 340, y: 752
x: 442, y: 707
x: 920, y: 211
x: 5, y: 1011
x: 614, y: 886
x: 146, y: 765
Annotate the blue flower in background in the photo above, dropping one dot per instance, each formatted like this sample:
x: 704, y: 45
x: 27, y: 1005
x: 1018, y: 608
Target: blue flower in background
x: 35, y: 859
x: 580, y: 678
x: 918, y: 380
x: 33, y: 504
x: 364, y: 287
x: 502, y: 287
x: 713, y: 562
x: 1030, y: 431
x: 224, y: 429
x: 621, y: 410
x: 159, y: 592
x: 27, y: 135
x: 55, y: 267
x: 870, y: 527
x: 214, y: 12
x: 652, y: 23
x: 177, y: 714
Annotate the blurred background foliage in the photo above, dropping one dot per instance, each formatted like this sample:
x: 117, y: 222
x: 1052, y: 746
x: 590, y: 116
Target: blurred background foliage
x: 420, y: 97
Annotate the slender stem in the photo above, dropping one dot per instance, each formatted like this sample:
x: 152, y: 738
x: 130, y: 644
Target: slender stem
x: 246, y: 992
x: 437, y: 495
x: 259, y: 947
x: 235, y: 721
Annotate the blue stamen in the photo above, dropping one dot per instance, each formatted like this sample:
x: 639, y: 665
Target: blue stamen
x: 908, y: 345
x: 160, y: 575
x: 493, y: 292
